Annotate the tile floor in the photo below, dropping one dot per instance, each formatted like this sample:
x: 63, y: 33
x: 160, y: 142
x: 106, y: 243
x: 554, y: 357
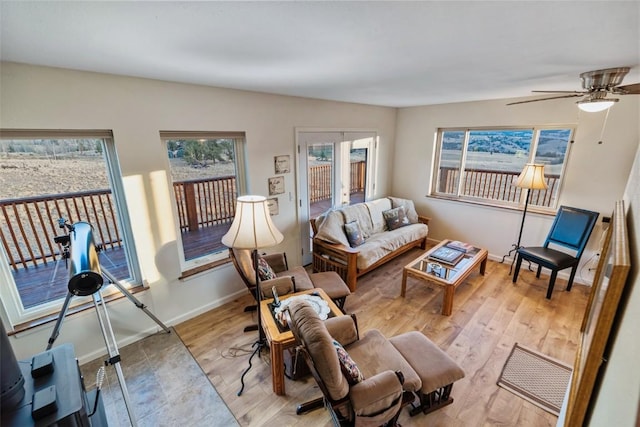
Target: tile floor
x: 166, y: 386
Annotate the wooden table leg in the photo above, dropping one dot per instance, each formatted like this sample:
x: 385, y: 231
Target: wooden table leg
x: 277, y: 368
x: 447, y: 300
x: 403, y: 289
x: 483, y: 265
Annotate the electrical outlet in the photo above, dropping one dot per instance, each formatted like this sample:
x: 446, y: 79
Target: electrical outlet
x: 606, y: 219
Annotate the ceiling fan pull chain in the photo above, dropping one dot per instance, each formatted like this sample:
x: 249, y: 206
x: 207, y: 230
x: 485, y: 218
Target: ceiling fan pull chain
x: 604, y: 124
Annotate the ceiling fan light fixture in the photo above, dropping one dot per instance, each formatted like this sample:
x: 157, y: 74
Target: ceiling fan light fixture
x: 595, y: 105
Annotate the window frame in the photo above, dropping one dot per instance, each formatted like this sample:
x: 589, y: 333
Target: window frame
x: 11, y: 303
x: 459, y: 197
x: 196, y: 265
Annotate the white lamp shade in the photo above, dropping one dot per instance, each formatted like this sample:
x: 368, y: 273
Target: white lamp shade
x: 532, y: 177
x: 593, y: 106
x: 252, y: 227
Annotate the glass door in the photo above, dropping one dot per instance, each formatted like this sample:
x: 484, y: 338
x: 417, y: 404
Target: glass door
x: 334, y: 171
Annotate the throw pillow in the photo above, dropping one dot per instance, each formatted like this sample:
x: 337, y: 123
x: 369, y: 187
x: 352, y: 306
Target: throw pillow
x: 354, y: 233
x: 265, y: 272
x: 396, y: 218
x: 349, y: 368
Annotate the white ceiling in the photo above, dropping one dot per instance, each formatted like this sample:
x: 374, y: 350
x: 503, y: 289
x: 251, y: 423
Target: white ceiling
x: 387, y: 53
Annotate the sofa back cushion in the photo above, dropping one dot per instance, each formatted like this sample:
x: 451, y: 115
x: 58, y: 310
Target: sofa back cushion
x: 376, y: 207
x: 409, y: 208
x: 396, y: 218
x: 307, y: 326
x: 330, y: 227
x: 360, y: 213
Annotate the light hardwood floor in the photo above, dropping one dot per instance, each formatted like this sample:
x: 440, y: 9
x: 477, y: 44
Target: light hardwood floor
x: 490, y: 314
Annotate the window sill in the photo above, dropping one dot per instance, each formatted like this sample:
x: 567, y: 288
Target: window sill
x: 478, y: 202
x: 113, y: 295
x: 204, y: 267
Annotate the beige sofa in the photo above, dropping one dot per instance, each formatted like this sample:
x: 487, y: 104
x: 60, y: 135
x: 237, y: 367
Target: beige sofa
x: 333, y: 250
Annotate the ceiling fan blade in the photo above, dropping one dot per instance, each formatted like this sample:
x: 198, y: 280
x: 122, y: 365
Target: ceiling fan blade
x: 561, y: 91
x: 546, y: 99
x: 632, y: 89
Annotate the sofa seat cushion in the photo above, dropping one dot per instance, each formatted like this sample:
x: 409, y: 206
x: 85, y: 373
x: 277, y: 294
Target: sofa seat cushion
x: 374, y: 353
x: 300, y: 277
x: 382, y: 244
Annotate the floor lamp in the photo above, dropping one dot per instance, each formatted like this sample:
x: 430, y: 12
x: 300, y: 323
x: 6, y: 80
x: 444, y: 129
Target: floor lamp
x: 531, y: 178
x: 253, y: 229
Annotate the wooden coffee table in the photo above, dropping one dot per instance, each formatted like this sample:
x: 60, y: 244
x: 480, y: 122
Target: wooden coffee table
x: 279, y: 341
x: 447, y: 276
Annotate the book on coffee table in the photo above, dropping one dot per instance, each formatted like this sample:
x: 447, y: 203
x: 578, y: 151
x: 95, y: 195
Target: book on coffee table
x: 460, y: 246
x: 447, y: 255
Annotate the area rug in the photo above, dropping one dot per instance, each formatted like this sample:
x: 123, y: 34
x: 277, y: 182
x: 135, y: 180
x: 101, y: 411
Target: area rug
x: 166, y: 385
x: 535, y: 377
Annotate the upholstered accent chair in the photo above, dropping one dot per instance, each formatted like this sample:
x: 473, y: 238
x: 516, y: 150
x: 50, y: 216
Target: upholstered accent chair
x: 570, y: 231
x: 287, y: 279
x: 367, y: 380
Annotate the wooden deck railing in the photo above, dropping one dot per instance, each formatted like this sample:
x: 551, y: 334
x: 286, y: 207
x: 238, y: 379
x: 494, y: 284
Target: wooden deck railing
x: 205, y: 202
x: 30, y: 224
x: 494, y: 185
x: 320, y: 179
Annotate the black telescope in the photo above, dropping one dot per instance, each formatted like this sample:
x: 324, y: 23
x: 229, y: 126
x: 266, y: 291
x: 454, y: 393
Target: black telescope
x: 85, y: 277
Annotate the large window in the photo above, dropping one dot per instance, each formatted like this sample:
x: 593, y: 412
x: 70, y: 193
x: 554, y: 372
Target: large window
x: 206, y: 178
x: 48, y: 175
x: 481, y: 164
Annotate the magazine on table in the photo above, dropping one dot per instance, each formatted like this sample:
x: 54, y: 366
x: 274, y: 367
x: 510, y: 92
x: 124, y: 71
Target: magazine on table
x: 460, y: 246
x: 447, y: 255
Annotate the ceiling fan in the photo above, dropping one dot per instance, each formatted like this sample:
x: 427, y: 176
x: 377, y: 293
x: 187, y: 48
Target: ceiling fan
x: 597, y: 85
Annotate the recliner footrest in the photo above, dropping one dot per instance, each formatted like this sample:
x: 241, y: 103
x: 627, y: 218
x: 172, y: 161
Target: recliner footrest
x: 436, y: 369
x: 332, y: 284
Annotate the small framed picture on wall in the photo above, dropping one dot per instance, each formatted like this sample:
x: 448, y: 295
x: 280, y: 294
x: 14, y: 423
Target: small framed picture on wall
x: 272, y: 204
x: 276, y: 185
x: 282, y: 164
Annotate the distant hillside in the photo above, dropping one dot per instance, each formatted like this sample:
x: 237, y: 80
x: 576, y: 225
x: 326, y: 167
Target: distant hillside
x: 552, y: 143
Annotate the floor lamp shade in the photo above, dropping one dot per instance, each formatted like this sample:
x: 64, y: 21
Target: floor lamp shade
x: 252, y: 227
x: 532, y: 177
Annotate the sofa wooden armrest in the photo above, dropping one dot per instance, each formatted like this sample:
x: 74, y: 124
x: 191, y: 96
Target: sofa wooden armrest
x: 424, y: 219
x: 335, y: 257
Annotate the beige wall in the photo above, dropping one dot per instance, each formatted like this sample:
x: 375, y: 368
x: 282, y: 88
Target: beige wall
x: 618, y: 399
x: 596, y: 174
x: 136, y: 110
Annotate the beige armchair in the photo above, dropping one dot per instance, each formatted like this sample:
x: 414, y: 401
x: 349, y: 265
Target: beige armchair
x: 288, y: 280
x: 369, y: 380
x: 378, y: 398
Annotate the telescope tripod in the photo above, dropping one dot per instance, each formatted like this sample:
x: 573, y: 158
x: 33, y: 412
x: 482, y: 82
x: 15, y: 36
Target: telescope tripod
x: 107, y: 332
